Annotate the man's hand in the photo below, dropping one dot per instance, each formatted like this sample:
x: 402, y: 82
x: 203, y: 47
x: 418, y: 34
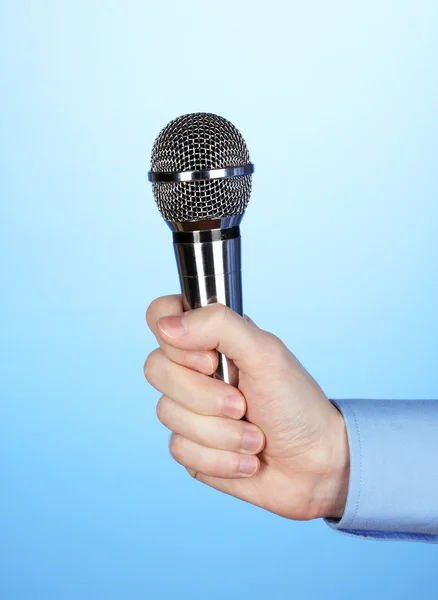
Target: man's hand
x: 290, y: 454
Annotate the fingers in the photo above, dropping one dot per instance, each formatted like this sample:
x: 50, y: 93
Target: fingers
x: 167, y: 305
x: 204, y: 415
x: 212, y: 462
x: 216, y: 326
x: 204, y: 362
x: 194, y: 391
x: 209, y: 431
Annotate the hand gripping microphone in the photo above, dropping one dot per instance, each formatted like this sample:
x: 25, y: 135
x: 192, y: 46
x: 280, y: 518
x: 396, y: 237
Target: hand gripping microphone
x: 201, y: 180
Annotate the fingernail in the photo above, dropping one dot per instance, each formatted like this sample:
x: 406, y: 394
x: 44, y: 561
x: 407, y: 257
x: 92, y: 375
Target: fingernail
x: 248, y: 465
x: 251, y: 440
x: 172, y: 326
x: 201, y: 361
x: 233, y: 407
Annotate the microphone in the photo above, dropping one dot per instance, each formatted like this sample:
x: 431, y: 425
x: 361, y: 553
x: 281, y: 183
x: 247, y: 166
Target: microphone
x: 201, y: 177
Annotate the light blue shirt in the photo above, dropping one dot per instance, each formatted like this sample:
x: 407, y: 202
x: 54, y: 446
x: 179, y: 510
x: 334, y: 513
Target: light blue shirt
x: 393, y: 489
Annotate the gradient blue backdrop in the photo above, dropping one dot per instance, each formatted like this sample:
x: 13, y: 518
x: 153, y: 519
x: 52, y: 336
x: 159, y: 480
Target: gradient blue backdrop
x: 338, y: 103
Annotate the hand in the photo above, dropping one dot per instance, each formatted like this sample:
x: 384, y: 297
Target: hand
x: 290, y: 454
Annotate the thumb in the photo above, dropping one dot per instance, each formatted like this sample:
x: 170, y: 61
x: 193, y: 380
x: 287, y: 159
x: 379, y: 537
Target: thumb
x: 216, y: 327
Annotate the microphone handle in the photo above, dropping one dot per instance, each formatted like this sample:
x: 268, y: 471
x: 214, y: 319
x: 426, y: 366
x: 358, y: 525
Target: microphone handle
x: 209, y: 266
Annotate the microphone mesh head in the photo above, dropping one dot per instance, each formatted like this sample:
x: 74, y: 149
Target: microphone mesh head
x: 200, y: 141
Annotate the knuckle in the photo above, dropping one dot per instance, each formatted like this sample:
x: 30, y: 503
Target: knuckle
x: 162, y: 410
x: 270, y: 343
x: 192, y: 473
x: 270, y: 352
x: 152, y: 311
x: 153, y: 365
x: 249, y: 320
x: 223, y: 312
x: 219, y: 312
x: 176, y: 447
x: 269, y: 338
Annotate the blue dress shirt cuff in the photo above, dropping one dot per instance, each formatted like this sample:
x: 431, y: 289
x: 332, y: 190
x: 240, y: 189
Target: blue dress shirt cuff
x: 393, y: 487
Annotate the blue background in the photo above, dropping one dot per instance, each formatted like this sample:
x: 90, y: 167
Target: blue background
x: 338, y: 104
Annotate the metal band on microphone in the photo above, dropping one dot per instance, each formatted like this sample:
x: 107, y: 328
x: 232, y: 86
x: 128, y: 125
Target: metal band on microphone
x: 212, y: 235
x: 227, y: 172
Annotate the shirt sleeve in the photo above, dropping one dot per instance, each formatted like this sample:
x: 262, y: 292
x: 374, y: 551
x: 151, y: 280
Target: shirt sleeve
x: 393, y: 487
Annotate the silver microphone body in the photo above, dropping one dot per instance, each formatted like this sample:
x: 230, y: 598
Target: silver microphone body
x: 209, y: 267
x: 201, y: 179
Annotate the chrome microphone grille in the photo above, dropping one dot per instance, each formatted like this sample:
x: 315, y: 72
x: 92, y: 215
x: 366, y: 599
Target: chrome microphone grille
x: 200, y: 142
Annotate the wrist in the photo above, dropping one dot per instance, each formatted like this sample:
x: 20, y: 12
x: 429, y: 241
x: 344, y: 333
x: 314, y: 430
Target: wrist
x: 338, y: 470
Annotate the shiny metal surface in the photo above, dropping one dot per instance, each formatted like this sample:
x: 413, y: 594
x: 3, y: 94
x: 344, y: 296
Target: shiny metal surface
x: 198, y: 141
x: 202, y: 200
x: 201, y: 175
x: 224, y: 223
x: 193, y: 147
x: 210, y: 272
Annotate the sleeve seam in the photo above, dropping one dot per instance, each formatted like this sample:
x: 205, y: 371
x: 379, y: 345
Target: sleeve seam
x: 356, y: 510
